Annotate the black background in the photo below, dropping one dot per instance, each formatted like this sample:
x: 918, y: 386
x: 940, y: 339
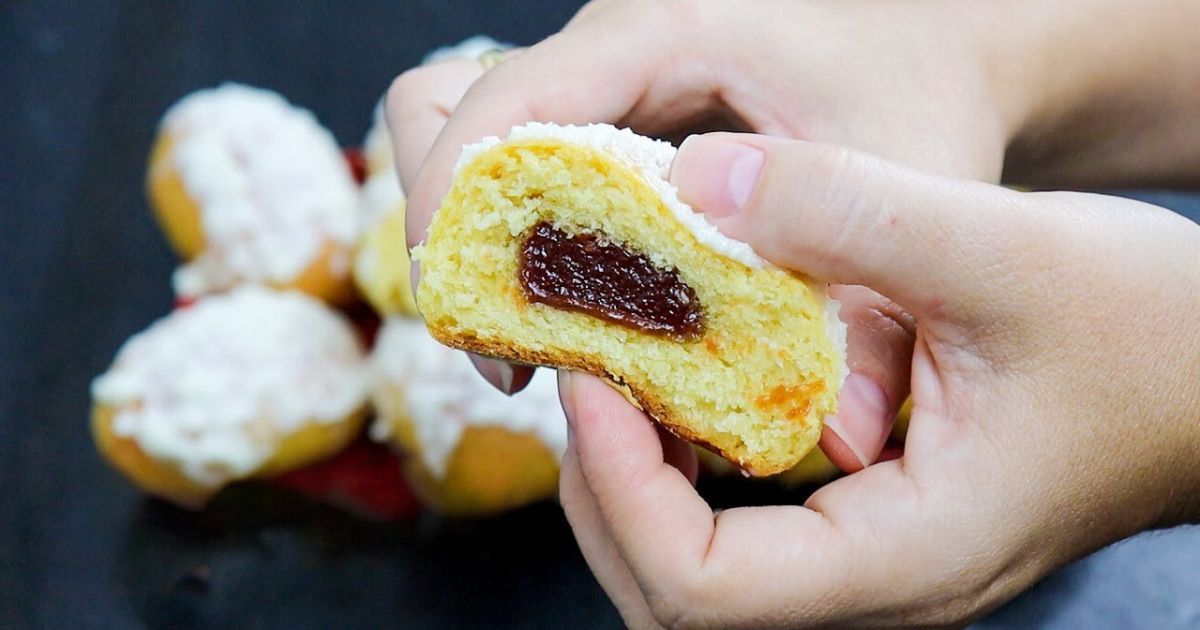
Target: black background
x: 82, y: 267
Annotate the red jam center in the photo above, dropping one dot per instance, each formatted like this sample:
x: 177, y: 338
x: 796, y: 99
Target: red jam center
x: 589, y: 274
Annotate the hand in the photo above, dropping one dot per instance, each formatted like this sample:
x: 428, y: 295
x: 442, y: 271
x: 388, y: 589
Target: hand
x: 890, y: 78
x: 1056, y: 407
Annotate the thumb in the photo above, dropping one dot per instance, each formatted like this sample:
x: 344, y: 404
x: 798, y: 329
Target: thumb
x: 848, y: 218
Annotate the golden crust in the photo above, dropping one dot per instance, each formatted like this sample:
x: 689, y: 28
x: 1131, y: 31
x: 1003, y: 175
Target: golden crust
x: 639, y: 397
x: 314, y: 442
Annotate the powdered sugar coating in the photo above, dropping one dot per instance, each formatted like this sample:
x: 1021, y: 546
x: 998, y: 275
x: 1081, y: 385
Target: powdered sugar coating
x: 214, y: 388
x: 444, y: 395
x: 270, y: 182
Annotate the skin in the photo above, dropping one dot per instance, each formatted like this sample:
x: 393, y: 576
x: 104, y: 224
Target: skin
x: 1037, y: 320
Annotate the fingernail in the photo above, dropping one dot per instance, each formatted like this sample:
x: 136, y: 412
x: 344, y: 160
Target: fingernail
x: 716, y: 176
x: 566, y: 397
x: 863, y: 420
x: 414, y: 275
x: 497, y: 373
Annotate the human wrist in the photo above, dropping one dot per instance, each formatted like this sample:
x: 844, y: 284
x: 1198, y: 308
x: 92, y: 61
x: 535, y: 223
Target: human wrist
x: 1098, y: 93
x: 1182, y: 503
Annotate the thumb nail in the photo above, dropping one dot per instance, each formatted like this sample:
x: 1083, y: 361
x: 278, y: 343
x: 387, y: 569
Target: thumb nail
x: 716, y: 176
x: 498, y: 373
x: 566, y: 397
x: 863, y: 420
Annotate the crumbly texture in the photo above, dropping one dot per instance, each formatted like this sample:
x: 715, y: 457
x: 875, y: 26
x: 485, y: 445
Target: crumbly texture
x: 271, y: 187
x: 755, y: 387
x: 215, y: 390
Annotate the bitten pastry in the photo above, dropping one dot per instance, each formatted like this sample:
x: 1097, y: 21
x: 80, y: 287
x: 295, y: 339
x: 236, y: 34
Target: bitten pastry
x: 381, y: 264
x: 246, y: 384
x: 250, y: 189
x: 566, y: 246
x: 470, y: 449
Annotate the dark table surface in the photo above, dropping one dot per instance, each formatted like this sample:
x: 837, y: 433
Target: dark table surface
x: 84, y: 267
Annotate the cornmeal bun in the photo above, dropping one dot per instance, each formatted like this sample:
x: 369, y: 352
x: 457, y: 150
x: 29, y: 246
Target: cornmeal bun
x: 251, y: 189
x: 470, y: 449
x: 566, y: 246
x: 246, y: 384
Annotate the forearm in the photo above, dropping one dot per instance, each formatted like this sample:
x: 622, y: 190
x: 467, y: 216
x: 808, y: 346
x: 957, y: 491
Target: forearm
x: 1099, y: 93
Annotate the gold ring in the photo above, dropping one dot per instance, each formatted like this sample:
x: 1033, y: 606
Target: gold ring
x: 491, y: 59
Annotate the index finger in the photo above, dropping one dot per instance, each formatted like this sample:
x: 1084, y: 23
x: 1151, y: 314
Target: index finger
x: 795, y: 565
x: 589, y: 73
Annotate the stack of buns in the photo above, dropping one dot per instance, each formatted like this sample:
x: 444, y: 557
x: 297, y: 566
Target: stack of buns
x: 260, y: 371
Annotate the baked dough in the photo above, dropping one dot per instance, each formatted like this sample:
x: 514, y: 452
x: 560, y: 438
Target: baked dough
x: 251, y: 189
x: 246, y: 384
x: 753, y: 373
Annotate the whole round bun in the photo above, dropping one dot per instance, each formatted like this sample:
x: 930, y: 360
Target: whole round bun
x: 470, y: 449
x: 247, y: 384
x: 251, y: 189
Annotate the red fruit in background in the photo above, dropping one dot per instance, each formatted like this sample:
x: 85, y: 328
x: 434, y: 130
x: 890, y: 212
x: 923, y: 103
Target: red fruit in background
x: 365, y: 479
x: 358, y: 163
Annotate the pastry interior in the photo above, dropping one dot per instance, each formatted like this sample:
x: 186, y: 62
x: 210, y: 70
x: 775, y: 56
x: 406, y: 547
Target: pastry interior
x: 565, y: 246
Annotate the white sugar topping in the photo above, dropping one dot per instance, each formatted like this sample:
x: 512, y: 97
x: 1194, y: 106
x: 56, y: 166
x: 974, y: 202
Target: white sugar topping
x: 271, y: 184
x: 647, y: 156
x: 215, y: 387
x: 470, y: 48
x: 445, y: 395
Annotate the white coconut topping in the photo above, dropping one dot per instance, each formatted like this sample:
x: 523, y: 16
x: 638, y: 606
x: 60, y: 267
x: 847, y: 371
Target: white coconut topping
x: 652, y: 159
x: 270, y: 182
x: 215, y: 387
x: 470, y: 48
x: 444, y: 395
x: 647, y: 156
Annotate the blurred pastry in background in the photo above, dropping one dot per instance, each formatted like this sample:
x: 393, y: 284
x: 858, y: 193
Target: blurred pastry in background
x: 246, y: 384
x: 470, y: 450
x: 381, y: 264
x: 252, y: 189
x: 377, y: 145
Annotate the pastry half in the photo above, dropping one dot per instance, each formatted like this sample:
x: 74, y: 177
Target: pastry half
x: 471, y: 450
x: 566, y: 246
x: 246, y: 384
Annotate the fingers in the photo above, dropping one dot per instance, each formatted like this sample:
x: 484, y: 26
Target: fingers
x: 849, y: 218
x: 661, y: 526
x: 879, y: 347
x: 418, y: 104
x: 597, y: 546
x: 589, y: 73
x: 747, y: 566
